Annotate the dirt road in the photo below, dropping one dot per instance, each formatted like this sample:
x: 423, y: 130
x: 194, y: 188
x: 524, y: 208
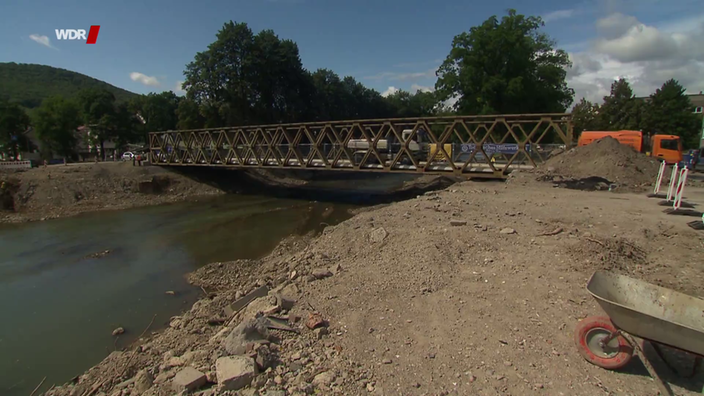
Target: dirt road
x: 474, y: 290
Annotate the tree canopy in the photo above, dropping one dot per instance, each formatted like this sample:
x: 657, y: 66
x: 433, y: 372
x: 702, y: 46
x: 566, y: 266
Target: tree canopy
x: 55, y: 122
x: 667, y: 111
x: 13, y: 124
x: 505, y: 67
x: 246, y: 79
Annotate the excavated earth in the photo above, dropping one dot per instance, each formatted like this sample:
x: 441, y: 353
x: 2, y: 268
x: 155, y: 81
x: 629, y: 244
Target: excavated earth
x: 473, y: 290
x: 59, y: 191
x: 601, y: 165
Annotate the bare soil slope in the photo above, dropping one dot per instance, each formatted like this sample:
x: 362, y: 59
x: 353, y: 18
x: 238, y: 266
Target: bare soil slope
x: 605, y: 160
x: 418, y: 302
x: 56, y: 191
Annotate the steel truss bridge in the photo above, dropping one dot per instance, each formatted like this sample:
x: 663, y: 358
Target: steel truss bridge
x: 476, y: 146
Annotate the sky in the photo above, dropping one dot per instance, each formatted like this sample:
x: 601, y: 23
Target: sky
x: 144, y: 46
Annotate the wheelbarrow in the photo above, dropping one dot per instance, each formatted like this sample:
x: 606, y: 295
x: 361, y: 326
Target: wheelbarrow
x: 638, y: 313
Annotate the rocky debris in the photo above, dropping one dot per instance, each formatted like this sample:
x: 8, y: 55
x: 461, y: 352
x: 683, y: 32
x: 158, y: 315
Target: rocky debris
x: 266, y: 305
x: 245, y: 333
x: 323, y: 379
x: 265, y: 358
x: 315, y: 320
x: 188, y: 379
x: 118, y: 331
x: 235, y: 372
x: 243, y: 301
x: 378, y: 235
x: 442, y: 312
x: 457, y: 223
x: 321, y: 273
x: 143, y: 381
x: 507, y: 231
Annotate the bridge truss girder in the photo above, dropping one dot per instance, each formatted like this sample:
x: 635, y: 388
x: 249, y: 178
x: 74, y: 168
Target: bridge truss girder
x: 488, y: 146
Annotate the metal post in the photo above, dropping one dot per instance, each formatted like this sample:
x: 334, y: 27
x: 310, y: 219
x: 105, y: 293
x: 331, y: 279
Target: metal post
x: 680, y: 189
x: 673, y: 181
x: 661, y: 173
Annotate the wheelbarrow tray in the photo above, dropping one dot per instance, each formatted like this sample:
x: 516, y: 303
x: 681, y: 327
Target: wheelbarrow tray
x: 651, y: 312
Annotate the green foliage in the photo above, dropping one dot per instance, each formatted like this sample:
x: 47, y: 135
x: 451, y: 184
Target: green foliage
x: 505, y: 67
x: 421, y: 103
x: 621, y: 110
x: 157, y: 110
x: 246, y: 79
x: 585, y: 116
x: 13, y: 125
x: 188, y: 115
x: 55, y: 122
x: 29, y: 84
x: 669, y: 112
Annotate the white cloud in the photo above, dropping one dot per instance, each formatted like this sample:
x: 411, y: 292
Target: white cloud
x: 402, y: 76
x: 389, y: 91
x: 615, y: 25
x: 646, y: 55
x: 416, y: 87
x: 178, y: 89
x: 144, y: 79
x: 559, y: 14
x: 43, y: 40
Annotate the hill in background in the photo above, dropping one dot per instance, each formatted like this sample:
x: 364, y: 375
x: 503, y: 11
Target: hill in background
x: 29, y: 84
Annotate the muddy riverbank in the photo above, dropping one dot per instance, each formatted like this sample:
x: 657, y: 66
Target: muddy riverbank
x: 472, y: 290
x: 61, y: 191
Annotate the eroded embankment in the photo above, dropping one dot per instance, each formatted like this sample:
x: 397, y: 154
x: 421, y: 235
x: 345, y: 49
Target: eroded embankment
x: 60, y: 191
x: 471, y: 290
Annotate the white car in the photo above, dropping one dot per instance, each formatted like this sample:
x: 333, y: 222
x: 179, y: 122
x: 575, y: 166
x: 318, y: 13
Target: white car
x: 127, y: 156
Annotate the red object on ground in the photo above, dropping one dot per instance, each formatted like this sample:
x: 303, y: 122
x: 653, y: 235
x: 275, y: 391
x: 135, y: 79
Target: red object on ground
x: 587, y: 335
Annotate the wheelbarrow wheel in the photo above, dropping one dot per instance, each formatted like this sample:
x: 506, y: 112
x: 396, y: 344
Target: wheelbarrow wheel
x: 588, y: 334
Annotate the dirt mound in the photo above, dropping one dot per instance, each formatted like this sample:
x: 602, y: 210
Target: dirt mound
x: 610, y: 254
x: 608, y: 159
x: 57, y: 191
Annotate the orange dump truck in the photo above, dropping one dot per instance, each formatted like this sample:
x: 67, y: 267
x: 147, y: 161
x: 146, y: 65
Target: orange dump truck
x: 665, y: 147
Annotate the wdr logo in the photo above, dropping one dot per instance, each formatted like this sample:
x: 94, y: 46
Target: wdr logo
x: 79, y: 34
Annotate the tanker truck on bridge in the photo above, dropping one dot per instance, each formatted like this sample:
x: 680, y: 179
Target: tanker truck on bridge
x: 388, y: 148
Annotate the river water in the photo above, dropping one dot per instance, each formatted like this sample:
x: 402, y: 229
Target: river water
x: 58, y: 306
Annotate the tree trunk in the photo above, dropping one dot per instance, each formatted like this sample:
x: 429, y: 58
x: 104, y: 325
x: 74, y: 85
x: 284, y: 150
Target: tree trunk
x: 102, y: 149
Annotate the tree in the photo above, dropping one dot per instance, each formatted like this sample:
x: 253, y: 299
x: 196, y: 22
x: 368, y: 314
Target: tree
x: 13, y: 124
x: 420, y: 104
x: 98, y: 110
x: 585, y: 116
x: 128, y: 126
x: 220, y: 78
x: 56, y: 122
x: 669, y: 111
x: 621, y: 110
x: 188, y: 115
x: 505, y: 67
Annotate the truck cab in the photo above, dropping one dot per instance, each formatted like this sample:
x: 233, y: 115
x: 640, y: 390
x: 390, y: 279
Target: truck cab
x: 667, y: 148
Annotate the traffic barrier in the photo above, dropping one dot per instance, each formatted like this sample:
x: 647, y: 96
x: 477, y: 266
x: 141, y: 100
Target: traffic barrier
x: 680, y: 189
x: 15, y: 164
x: 673, y: 181
x: 658, y: 181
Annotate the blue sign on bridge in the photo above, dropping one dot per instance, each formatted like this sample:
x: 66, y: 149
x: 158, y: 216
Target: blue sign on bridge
x: 493, y: 148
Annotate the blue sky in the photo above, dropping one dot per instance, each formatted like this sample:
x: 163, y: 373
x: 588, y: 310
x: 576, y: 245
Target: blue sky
x: 382, y: 43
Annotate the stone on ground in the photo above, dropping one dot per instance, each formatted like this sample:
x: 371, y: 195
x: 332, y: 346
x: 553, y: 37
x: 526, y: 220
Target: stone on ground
x: 188, y: 379
x: 235, y: 372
